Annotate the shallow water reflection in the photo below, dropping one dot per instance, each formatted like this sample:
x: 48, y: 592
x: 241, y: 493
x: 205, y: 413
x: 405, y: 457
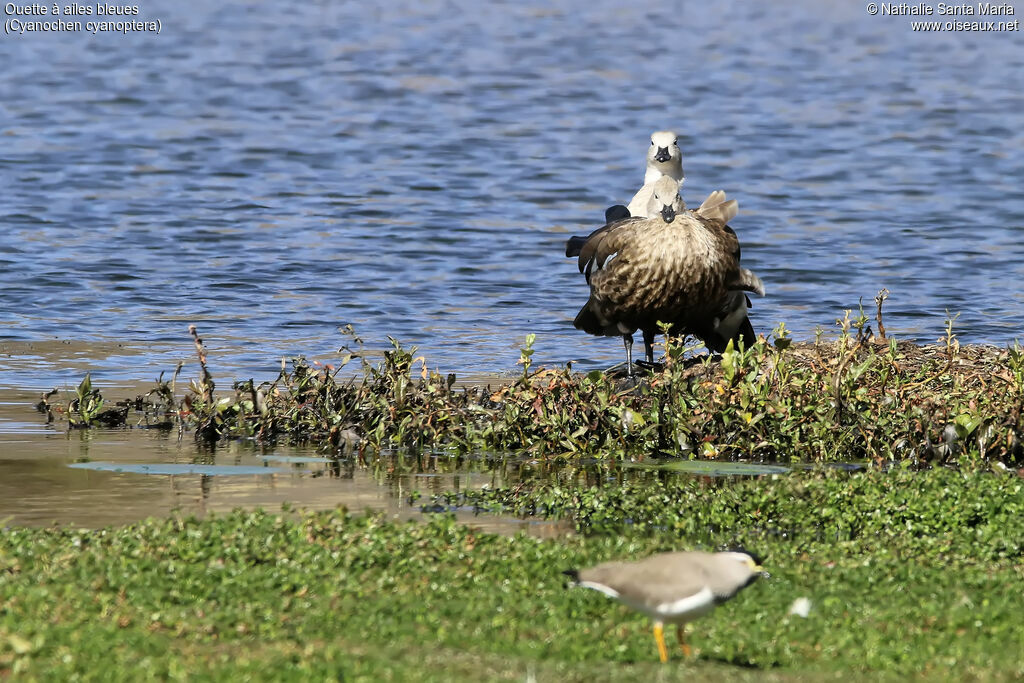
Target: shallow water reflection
x: 99, y: 477
x: 37, y: 487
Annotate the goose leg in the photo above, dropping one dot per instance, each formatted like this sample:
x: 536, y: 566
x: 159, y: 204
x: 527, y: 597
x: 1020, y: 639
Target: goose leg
x: 627, y: 341
x: 746, y: 333
x: 649, y: 346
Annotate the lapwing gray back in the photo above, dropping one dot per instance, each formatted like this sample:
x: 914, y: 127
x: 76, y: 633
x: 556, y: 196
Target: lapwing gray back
x: 668, y: 577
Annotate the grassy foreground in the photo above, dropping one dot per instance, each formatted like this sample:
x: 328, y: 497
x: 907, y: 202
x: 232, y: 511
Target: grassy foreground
x: 909, y: 574
x: 913, y: 566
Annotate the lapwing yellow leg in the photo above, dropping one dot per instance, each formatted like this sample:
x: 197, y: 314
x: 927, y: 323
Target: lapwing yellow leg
x: 659, y: 637
x: 681, y: 637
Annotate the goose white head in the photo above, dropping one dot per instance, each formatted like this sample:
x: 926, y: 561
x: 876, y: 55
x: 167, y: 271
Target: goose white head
x: 665, y: 199
x: 664, y: 157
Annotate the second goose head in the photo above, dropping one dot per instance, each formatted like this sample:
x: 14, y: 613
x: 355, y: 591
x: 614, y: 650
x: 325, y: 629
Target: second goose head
x: 665, y: 199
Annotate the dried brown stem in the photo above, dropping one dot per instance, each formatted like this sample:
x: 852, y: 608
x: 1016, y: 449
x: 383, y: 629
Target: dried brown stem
x: 206, y: 381
x: 881, y: 297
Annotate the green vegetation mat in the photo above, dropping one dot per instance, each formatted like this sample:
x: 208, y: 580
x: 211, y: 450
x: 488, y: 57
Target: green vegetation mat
x: 912, y: 563
x: 853, y: 399
x: 909, y: 574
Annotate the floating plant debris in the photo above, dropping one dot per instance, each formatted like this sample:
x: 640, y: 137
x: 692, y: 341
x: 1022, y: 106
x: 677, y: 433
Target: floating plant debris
x: 295, y: 459
x: 713, y: 468
x: 170, y: 468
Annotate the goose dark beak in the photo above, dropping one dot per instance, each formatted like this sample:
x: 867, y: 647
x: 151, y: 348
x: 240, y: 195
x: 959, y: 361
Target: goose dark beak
x: 668, y: 213
x: 662, y: 156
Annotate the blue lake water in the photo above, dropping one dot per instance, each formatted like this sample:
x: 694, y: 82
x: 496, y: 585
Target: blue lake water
x: 274, y: 171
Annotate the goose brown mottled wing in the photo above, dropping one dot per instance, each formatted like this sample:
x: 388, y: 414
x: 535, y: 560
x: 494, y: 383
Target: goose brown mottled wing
x: 743, y: 278
x: 603, y: 243
x: 730, y: 243
x: 613, y: 214
x: 731, y: 237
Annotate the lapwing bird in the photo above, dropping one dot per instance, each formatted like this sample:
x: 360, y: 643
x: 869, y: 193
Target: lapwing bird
x: 676, y: 267
x: 673, y: 588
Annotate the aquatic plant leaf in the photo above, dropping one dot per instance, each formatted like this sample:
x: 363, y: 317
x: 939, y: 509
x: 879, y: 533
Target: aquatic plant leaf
x: 293, y: 458
x: 171, y: 468
x: 717, y: 468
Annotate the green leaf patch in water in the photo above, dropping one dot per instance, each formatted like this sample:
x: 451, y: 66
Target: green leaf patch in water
x: 714, y: 468
x: 294, y: 458
x: 169, y: 468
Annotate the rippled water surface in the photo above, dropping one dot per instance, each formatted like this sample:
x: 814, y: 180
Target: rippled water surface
x: 274, y: 171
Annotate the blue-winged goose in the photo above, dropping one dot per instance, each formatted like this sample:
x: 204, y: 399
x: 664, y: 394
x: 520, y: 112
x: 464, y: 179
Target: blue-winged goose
x: 677, y: 267
x: 673, y: 588
x: 732, y: 322
x: 664, y: 158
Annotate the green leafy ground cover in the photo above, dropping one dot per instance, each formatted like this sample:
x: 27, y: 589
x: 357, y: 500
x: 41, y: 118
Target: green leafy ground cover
x: 909, y: 573
x: 855, y: 398
x: 913, y: 565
